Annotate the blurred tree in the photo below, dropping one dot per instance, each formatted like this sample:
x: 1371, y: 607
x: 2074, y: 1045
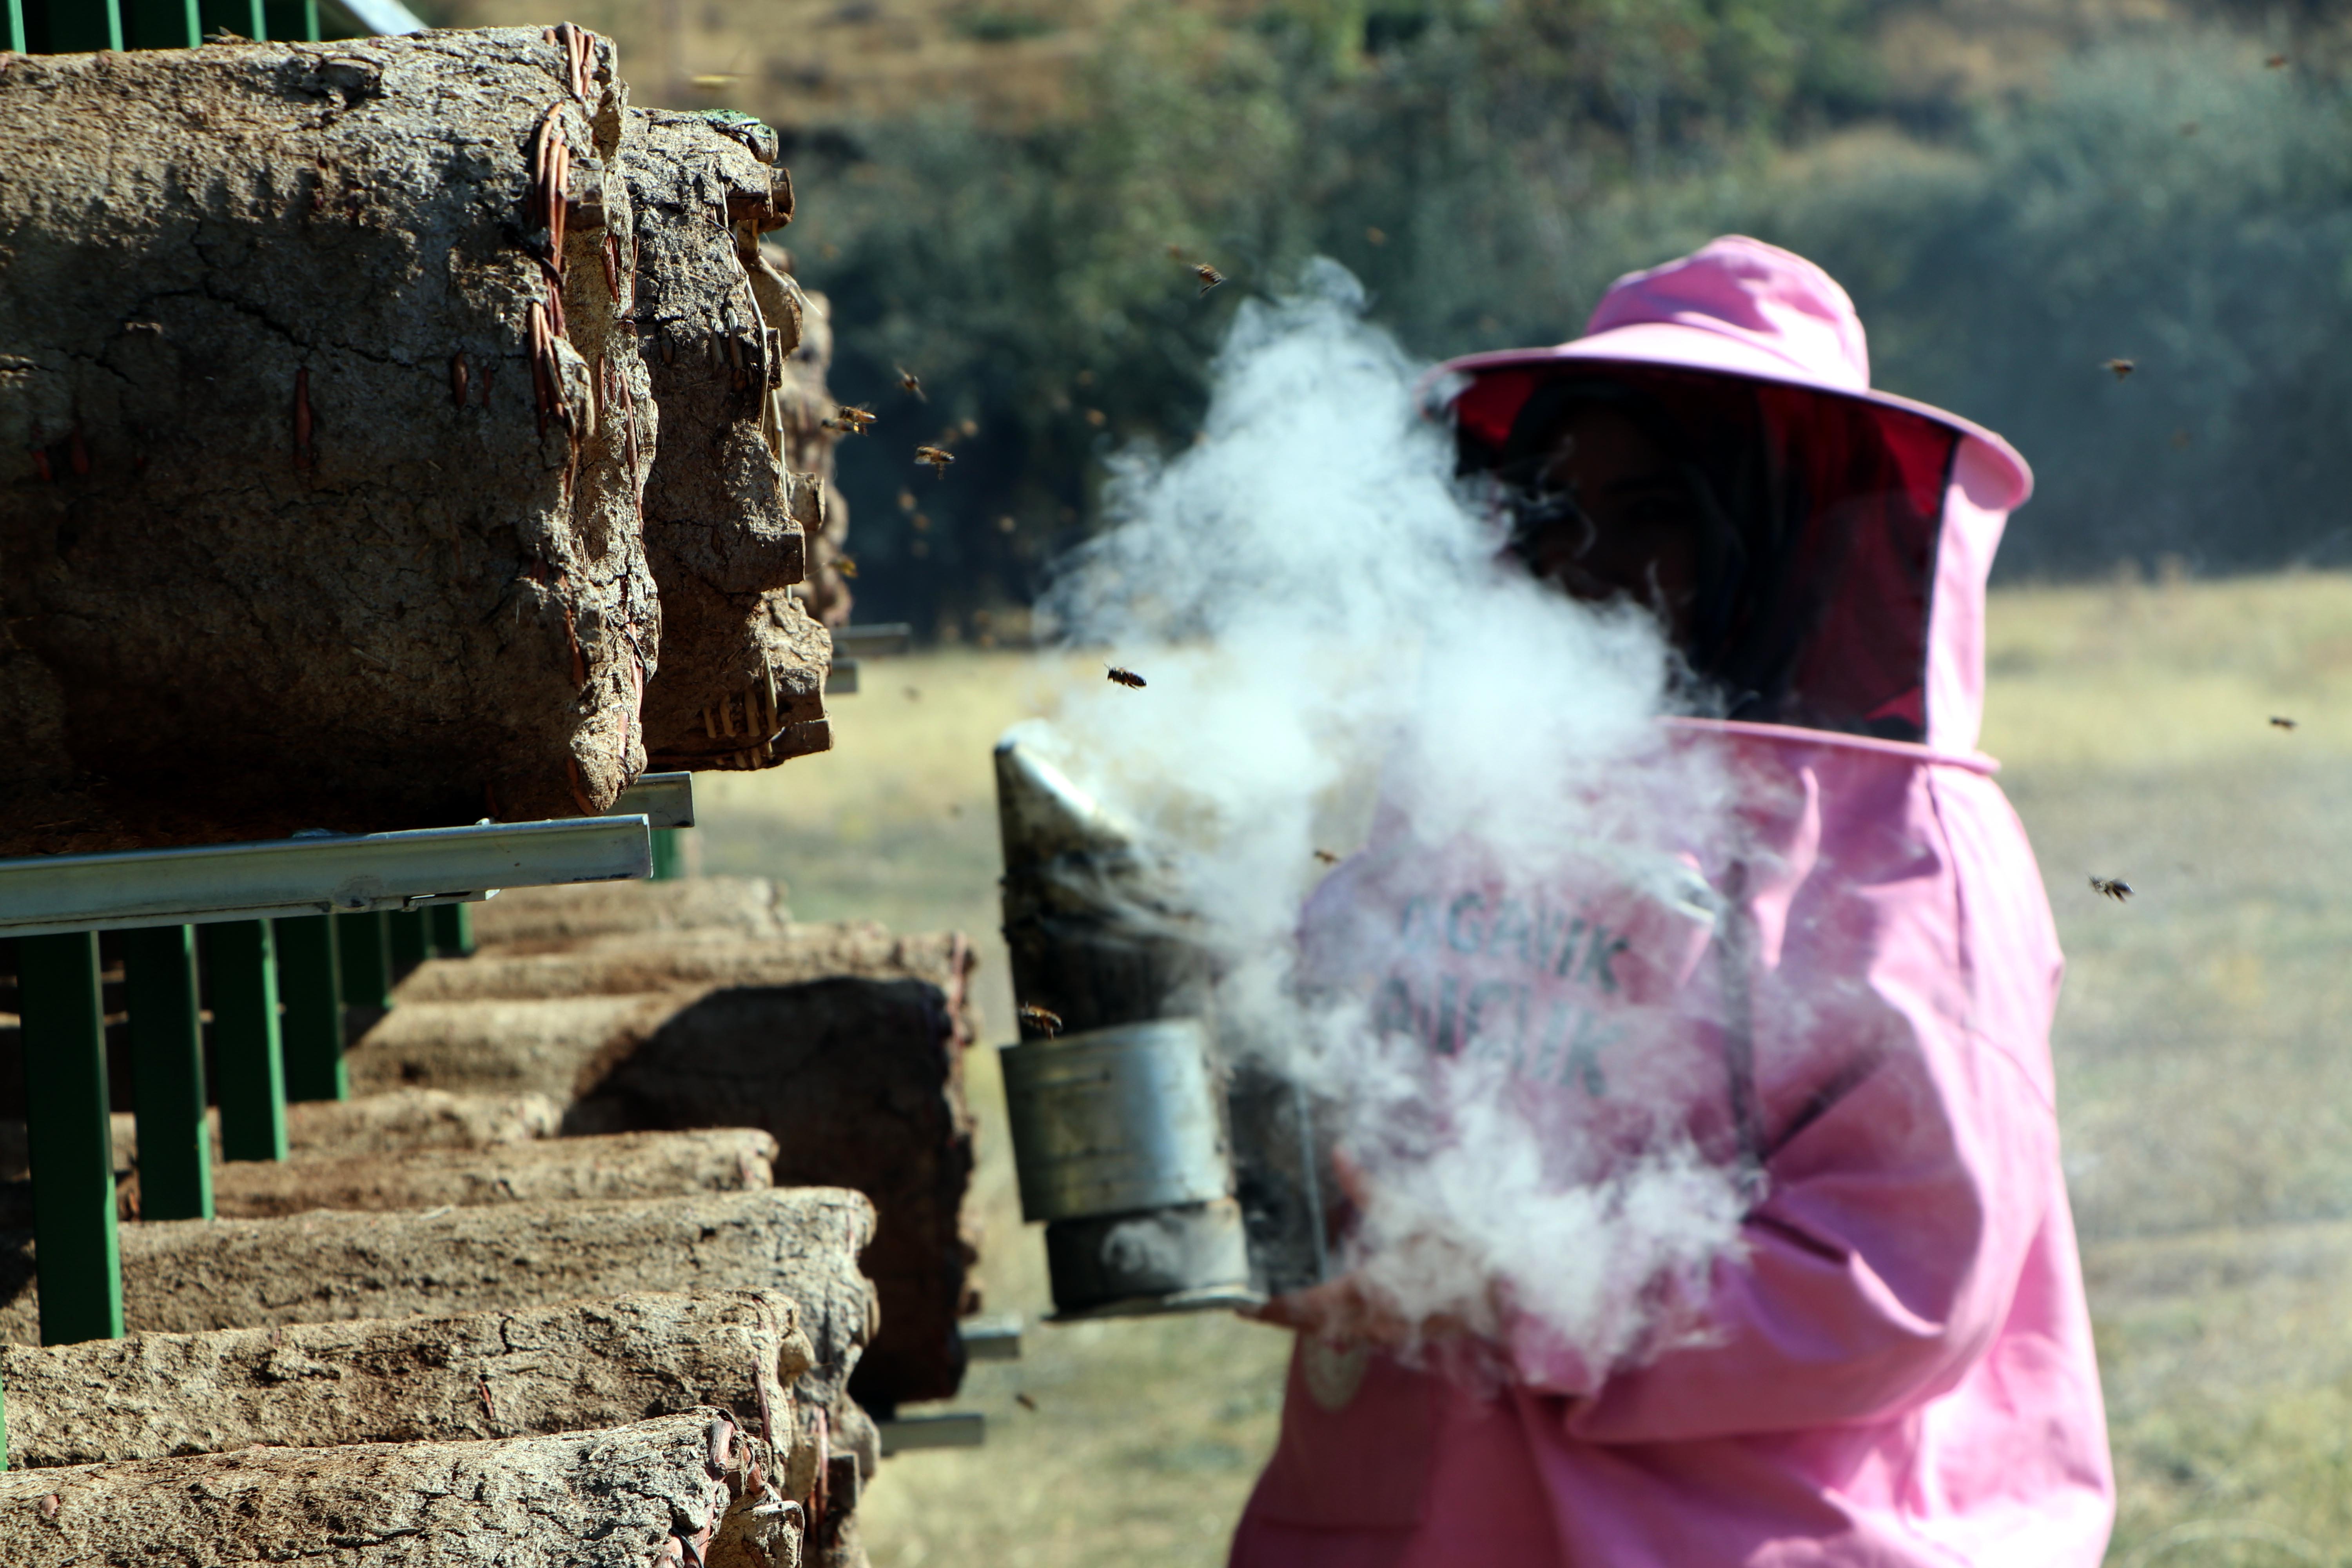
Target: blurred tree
x: 1038, y: 285
x: 1040, y: 281
x: 2171, y: 185
x: 2173, y: 202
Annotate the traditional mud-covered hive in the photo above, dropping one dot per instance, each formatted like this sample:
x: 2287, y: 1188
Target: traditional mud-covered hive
x: 700, y: 1003
x: 343, y: 389
x: 813, y: 425
x: 728, y: 521
x: 322, y: 426
x: 685, y: 1487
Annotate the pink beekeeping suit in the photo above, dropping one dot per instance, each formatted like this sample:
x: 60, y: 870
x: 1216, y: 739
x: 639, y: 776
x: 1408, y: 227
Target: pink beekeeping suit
x: 1894, y: 1367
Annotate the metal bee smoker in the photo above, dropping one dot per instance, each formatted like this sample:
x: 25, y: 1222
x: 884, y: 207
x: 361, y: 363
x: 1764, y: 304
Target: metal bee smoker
x: 1169, y: 1177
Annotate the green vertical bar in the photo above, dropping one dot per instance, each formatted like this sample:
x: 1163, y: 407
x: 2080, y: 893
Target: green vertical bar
x: 669, y: 854
x: 167, y: 1073
x: 241, y: 983
x: 79, y: 24
x: 243, y: 17
x: 412, y: 939
x: 16, y: 42
x: 290, y: 21
x: 70, y: 1137
x: 311, y: 1030
x: 453, y: 931
x: 364, y: 948
x: 161, y: 25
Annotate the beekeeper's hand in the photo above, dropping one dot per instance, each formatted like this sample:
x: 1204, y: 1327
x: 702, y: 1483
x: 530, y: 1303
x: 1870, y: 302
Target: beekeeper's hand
x: 1345, y: 1309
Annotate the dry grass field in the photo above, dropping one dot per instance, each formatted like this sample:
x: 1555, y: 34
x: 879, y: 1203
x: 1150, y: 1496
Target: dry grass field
x: 2206, y: 1092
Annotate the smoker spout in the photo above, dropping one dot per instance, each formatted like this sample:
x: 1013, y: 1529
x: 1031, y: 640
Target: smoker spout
x: 1043, y: 813
x: 1097, y: 935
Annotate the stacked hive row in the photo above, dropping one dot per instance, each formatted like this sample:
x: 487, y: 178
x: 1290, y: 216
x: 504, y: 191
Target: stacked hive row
x: 394, y: 433
x: 584, y: 1170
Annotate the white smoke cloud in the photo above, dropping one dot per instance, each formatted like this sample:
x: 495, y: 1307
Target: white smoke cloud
x: 1328, y: 634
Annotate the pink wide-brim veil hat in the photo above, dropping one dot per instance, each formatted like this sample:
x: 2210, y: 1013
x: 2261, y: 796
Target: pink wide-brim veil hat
x: 1740, y: 307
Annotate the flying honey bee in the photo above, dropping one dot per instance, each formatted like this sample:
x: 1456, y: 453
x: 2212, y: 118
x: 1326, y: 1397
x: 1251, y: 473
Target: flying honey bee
x: 850, y: 420
x: 938, y: 458
x: 910, y: 381
x: 2121, y: 367
x: 845, y: 565
x: 2281, y: 721
x: 1209, y: 276
x: 2115, y: 888
x: 2276, y: 62
x: 1023, y: 1401
x: 1044, y: 1020
x: 1327, y: 856
x: 1125, y: 677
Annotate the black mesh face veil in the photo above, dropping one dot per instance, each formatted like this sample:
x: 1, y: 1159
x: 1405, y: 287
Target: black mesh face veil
x: 1817, y: 521
x: 1713, y: 438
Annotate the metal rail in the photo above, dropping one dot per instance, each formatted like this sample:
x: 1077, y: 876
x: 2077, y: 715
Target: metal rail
x: 664, y: 800
x: 878, y: 640
x: 948, y: 1429
x: 380, y: 15
x: 311, y: 876
x: 347, y: 908
x: 991, y: 1339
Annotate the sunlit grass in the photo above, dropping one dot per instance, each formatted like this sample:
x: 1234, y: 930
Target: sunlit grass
x: 912, y: 743
x: 2136, y: 675
x: 2205, y: 1093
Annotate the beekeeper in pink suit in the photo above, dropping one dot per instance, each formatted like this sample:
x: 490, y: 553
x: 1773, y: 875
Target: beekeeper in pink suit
x: 1893, y: 1365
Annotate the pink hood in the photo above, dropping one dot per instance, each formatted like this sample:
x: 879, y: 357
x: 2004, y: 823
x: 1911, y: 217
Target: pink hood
x: 1895, y: 1366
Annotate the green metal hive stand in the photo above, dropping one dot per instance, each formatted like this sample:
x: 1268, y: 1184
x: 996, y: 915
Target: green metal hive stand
x: 70, y: 27
x: 272, y: 940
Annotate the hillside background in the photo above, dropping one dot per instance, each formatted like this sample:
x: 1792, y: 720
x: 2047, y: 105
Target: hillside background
x: 2015, y: 191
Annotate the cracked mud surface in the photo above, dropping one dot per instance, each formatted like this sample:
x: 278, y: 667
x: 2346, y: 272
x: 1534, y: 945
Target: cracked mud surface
x: 568, y: 1367
x: 192, y: 1276
x: 588, y: 1500
x: 286, y: 537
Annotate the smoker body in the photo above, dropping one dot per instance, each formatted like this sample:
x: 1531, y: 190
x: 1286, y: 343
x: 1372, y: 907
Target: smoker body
x: 1168, y: 1178
x: 1122, y: 1154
